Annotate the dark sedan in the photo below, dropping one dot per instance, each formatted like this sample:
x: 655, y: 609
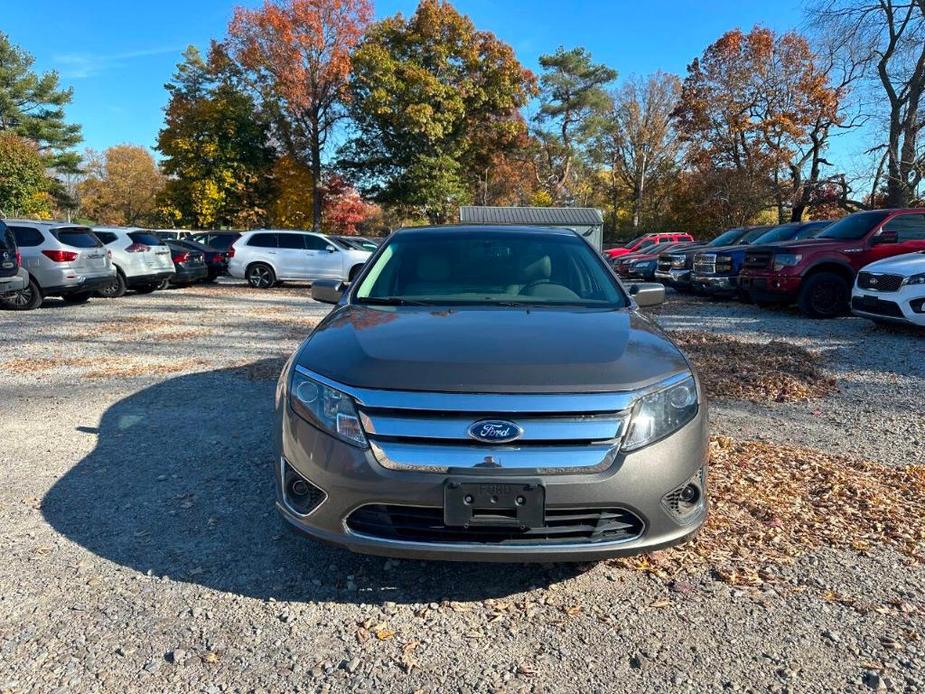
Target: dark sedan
x: 216, y: 259
x: 190, y: 265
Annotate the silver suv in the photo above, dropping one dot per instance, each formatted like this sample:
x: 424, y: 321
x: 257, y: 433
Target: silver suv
x: 62, y: 259
x: 142, y: 260
x: 267, y: 256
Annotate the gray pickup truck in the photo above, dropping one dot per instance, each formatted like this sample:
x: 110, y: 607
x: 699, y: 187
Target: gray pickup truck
x: 491, y: 394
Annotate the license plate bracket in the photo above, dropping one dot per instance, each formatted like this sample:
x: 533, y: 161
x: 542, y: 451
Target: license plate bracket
x: 488, y: 502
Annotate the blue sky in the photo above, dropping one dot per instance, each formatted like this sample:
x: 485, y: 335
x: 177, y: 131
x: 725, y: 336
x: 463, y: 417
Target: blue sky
x: 117, y: 55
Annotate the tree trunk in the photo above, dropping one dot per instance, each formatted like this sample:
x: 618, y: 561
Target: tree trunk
x: 317, y: 196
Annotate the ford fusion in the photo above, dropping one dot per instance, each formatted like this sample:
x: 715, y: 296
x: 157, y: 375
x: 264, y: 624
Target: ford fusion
x: 491, y: 394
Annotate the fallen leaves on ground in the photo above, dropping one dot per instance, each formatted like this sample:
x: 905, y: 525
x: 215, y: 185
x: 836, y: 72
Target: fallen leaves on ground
x: 771, y: 503
x: 119, y: 368
x: 265, y: 370
x: 23, y: 365
x: 774, y: 371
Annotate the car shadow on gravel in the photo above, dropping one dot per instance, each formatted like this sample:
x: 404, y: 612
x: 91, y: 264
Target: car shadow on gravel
x: 179, y: 485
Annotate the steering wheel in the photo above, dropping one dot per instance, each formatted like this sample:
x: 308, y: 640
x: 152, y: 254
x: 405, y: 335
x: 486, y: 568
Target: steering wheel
x: 535, y: 283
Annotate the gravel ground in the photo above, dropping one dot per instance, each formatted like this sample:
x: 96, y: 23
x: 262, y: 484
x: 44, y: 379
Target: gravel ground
x: 143, y: 553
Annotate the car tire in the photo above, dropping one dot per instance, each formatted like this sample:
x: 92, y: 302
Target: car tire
x: 824, y: 295
x: 78, y: 298
x: 116, y: 289
x: 163, y: 284
x: 146, y: 288
x: 260, y: 276
x: 26, y: 299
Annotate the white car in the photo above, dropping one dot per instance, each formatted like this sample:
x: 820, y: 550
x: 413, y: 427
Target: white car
x: 892, y: 290
x: 268, y: 256
x: 141, y: 259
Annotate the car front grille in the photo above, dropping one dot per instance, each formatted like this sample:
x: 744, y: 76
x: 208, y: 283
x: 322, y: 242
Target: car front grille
x: 877, y: 306
x: 705, y: 263
x: 561, y: 526
x: 878, y: 282
x: 558, y: 434
x: 758, y: 260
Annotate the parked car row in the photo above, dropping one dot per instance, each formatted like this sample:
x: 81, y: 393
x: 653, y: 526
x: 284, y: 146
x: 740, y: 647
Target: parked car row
x: 871, y: 263
x: 40, y: 259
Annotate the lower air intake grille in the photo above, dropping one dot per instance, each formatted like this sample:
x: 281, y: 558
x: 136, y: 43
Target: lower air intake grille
x: 562, y: 526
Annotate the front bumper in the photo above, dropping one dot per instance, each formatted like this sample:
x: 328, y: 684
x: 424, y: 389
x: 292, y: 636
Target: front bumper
x: 895, y: 307
x: 352, y: 478
x: 715, y: 284
x: 674, y: 278
x: 770, y: 286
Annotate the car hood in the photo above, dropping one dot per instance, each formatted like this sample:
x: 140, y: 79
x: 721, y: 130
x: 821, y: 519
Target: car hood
x: 808, y: 244
x: 726, y: 250
x: 490, y: 350
x: 906, y: 264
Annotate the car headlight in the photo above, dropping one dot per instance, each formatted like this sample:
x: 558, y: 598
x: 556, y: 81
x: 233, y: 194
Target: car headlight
x: 916, y: 279
x: 782, y: 260
x: 326, y: 408
x: 659, y: 413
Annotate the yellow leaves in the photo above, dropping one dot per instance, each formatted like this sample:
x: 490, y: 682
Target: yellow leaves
x: 292, y: 207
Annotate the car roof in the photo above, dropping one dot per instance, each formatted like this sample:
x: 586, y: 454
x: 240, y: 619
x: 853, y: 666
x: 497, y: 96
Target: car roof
x: 44, y: 223
x: 485, y: 228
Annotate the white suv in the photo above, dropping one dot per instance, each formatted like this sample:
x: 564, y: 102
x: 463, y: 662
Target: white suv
x: 268, y: 256
x: 892, y: 290
x: 141, y: 259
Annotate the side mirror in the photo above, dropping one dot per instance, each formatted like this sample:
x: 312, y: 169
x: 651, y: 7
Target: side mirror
x: 885, y: 237
x: 648, y: 293
x: 330, y: 249
x: 328, y: 291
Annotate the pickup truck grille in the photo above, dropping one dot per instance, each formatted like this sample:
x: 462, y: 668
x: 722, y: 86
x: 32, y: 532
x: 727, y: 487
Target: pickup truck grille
x: 705, y: 263
x: 673, y: 261
x: 561, y: 526
x: 430, y: 432
x: 877, y: 282
x: 758, y: 260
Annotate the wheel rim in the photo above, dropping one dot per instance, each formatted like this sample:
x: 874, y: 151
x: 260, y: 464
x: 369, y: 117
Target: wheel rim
x: 22, y: 298
x: 826, y: 298
x: 110, y: 288
x: 260, y: 277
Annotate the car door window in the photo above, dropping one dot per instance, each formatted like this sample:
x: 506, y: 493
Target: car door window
x: 316, y: 243
x: 291, y: 241
x: 908, y: 227
x: 263, y: 241
x: 27, y: 236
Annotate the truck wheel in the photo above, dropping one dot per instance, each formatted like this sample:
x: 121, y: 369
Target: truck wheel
x: 25, y: 299
x: 824, y: 295
x: 115, y: 289
x: 260, y: 276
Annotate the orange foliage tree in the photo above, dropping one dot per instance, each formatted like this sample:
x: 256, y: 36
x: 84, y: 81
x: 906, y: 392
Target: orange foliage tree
x: 344, y: 209
x: 297, y: 54
x: 760, y: 105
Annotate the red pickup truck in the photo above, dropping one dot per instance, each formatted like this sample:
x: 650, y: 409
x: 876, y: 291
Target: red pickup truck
x: 640, y: 243
x: 818, y: 273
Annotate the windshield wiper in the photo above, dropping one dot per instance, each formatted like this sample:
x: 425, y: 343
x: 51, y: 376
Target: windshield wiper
x: 392, y: 301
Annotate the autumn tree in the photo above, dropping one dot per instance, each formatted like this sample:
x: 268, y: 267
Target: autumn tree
x: 216, y: 147
x: 752, y: 105
x: 344, y: 209
x: 291, y: 208
x: 433, y: 101
x: 32, y: 106
x: 891, y: 38
x: 297, y: 56
x: 572, y: 97
x: 636, y: 143
x: 121, y: 186
x: 23, y: 184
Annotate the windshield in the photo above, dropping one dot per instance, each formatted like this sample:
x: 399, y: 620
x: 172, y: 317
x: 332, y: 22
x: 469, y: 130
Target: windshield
x: 727, y: 238
x: 489, y: 268
x: 854, y: 226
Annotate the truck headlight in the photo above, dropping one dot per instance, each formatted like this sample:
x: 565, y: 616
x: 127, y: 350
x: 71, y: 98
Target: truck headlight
x: 326, y: 408
x: 916, y: 279
x: 661, y: 412
x: 782, y: 260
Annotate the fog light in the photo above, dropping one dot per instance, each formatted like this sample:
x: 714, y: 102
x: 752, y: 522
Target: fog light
x: 300, y: 496
x: 686, y: 503
x: 918, y: 305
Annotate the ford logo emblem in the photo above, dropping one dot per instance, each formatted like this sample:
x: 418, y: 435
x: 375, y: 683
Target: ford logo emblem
x: 495, y: 431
